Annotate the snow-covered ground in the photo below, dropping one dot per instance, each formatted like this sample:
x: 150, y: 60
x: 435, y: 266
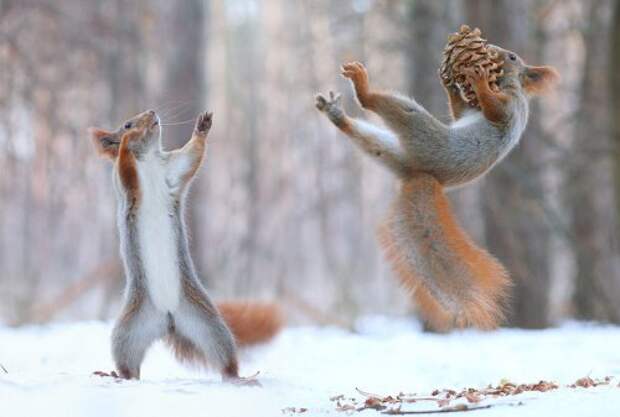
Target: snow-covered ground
x: 49, y: 371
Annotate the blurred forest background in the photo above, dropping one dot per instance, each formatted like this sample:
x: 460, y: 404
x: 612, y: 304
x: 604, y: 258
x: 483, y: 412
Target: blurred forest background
x: 285, y: 207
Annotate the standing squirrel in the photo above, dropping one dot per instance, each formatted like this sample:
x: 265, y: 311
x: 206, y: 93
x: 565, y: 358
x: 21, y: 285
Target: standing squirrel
x: 454, y: 282
x: 164, y: 297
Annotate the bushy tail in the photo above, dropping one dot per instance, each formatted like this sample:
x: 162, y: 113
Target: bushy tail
x: 455, y: 283
x: 251, y: 322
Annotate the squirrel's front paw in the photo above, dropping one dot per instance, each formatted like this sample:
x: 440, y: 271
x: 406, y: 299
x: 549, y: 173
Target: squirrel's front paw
x: 476, y: 76
x: 356, y: 72
x: 203, y: 123
x: 330, y: 106
x: 325, y: 104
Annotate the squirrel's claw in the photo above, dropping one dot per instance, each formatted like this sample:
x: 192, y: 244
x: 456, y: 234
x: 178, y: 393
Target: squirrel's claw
x: 354, y: 71
x: 334, y: 97
x: 204, y: 122
x: 475, y: 74
x: 322, y: 103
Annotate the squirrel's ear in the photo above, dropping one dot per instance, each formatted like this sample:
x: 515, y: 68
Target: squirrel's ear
x: 539, y: 80
x: 105, y: 142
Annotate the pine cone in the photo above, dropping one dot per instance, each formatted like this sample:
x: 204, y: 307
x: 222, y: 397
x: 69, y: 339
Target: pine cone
x: 467, y: 49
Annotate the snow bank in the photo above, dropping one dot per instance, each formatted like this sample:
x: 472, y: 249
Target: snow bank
x: 49, y: 371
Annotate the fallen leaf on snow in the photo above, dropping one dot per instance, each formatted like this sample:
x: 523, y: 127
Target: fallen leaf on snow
x: 294, y: 410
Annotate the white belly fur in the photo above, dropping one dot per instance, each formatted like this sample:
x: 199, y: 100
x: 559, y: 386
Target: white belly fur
x: 157, y: 240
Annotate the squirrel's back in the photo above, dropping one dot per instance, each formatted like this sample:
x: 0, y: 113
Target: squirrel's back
x: 455, y: 282
x: 470, y: 146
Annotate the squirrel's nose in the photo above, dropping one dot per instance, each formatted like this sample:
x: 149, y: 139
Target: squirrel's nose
x: 151, y: 113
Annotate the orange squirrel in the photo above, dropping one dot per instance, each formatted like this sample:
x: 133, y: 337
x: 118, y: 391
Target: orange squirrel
x: 454, y: 282
x: 164, y: 297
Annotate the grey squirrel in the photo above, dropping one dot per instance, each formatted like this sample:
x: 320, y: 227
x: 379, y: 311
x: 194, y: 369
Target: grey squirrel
x: 454, y: 282
x: 164, y: 297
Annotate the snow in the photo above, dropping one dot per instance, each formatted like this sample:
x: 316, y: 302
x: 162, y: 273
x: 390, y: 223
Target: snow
x: 49, y: 371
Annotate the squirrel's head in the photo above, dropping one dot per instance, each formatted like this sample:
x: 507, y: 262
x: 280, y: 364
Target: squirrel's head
x: 534, y: 80
x: 146, y: 135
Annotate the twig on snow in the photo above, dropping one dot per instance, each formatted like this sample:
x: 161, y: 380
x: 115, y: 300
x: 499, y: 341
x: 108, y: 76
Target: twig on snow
x: 455, y: 409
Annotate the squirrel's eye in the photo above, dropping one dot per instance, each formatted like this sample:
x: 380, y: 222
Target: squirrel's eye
x: 128, y: 125
x: 512, y: 57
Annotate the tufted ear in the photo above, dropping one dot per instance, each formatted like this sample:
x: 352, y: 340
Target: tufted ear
x: 539, y: 80
x: 105, y: 142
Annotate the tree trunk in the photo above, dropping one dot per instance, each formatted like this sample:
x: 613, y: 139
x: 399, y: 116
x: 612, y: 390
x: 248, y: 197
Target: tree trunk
x: 184, y: 91
x: 614, y: 81
x: 515, y: 228
x: 588, y: 191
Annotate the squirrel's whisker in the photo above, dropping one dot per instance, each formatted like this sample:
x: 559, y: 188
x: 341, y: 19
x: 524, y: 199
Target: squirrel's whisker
x: 184, y: 122
x: 181, y: 110
x: 175, y: 110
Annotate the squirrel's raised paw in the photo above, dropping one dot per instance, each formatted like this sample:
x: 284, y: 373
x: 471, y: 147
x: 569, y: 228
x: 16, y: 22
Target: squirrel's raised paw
x: 324, y: 104
x: 356, y: 72
x: 475, y: 75
x: 204, y: 122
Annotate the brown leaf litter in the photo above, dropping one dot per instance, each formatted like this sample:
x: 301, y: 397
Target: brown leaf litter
x: 449, y: 400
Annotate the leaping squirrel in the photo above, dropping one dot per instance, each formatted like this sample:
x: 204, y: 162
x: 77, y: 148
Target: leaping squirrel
x: 454, y: 282
x: 164, y: 297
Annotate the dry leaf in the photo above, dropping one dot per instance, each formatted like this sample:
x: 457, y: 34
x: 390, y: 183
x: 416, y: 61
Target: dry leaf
x: 443, y: 403
x: 392, y: 404
x: 473, y: 397
x: 587, y: 382
x: 294, y: 410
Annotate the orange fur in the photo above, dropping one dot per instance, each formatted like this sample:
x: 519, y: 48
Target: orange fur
x: 492, y: 104
x: 429, y: 308
x: 492, y: 278
x: 356, y: 72
x: 251, y: 322
x: 539, y: 80
x: 474, y: 299
x: 127, y: 169
x: 103, y: 141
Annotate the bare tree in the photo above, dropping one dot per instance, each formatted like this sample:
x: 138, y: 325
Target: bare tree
x: 614, y: 84
x: 515, y: 227
x: 588, y: 189
x: 285, y: 206
x: 180, y: 93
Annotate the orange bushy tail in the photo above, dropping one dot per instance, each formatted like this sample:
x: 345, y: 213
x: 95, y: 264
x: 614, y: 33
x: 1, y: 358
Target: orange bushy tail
x: 251, y: 322
x: 455, y: 283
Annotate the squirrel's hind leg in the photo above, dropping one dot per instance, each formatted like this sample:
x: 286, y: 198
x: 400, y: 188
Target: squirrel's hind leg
x: 139, y: 325
x: 199, y: 327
